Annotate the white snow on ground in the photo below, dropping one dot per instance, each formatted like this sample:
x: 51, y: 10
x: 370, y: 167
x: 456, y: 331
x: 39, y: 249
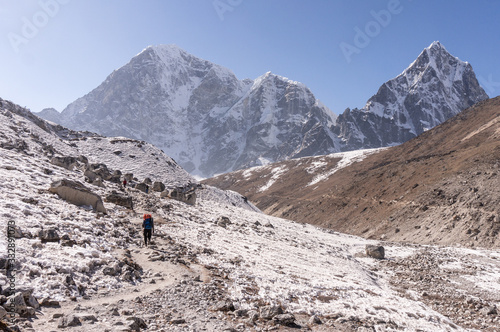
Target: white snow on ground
x: 276, y: 173
x: 348, y: 158
x: 268, y: 260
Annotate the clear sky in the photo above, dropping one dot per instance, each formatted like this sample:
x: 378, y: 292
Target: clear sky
x: 55, y: 51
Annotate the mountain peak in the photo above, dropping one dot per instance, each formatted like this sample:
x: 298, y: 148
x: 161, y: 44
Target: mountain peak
x: 436, y: 45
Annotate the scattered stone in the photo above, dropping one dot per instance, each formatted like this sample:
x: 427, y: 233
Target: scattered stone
x: 158, y: 186
x: 284, y: 319
x: 377, y: 252
x: 125, y: 201
x: 268, y: 312
x: 47, y: 302
x: 224, y: 306
x: 142, y: 187
x: 66, y: 162
x: 314, y: 320
x: 137, y: 324
x: 223, y: 221
x: 49, y: 235
x: 69, y: 321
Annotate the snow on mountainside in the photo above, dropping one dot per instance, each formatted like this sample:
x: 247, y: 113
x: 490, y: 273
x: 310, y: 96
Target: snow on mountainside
x: 434, y: 88
x: 203, y: 257
x: 202, y: 115
x: 211, y: 122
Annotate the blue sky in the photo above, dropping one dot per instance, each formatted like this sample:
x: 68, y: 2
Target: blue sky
x: 55, y: 51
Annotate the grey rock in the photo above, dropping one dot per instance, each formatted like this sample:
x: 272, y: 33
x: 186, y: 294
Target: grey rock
x: 142, y: 187
x: 49, y: 235
x: 158, y: 186
x: 3, y: 312
x: 137, y: 323
x: 268, y: 312
x: 314, y: 320
x: 284, y: 319
x: 223, y: 221
x: 76, y: 193
x: 225, y: 306
x: 489, y: 310
x: 32, y: 302
x: 66, y: 162
x: 70, y: 320
x: 125, y: 201
x: 373, y: 251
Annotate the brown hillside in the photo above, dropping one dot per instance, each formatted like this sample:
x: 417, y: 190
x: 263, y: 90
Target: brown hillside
x: 442, y: 187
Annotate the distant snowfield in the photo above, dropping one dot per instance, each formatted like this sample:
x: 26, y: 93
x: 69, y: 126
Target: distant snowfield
x: 348, y: 158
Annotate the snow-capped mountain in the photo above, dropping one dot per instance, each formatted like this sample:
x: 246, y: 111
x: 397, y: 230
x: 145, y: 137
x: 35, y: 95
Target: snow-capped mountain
x: 435, y: 87
x: 202, y: 115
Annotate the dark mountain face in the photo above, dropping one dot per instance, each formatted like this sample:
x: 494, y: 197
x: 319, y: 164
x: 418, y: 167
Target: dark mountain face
x: 434, y: 88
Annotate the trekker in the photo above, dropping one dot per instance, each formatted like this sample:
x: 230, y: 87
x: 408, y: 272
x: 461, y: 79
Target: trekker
x: 124, y: 183
x: 149, y: 228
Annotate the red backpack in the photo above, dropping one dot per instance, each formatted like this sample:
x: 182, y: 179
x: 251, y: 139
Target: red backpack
x: 148, y: 224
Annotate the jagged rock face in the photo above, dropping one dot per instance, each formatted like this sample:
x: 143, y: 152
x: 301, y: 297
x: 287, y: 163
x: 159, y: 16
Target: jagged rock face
x: 202, y: 115
x: 434, y: 88
x: 210, y: 122
x: 278, y: 119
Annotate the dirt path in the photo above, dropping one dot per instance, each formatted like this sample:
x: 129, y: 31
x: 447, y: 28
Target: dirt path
x: 157, y: 274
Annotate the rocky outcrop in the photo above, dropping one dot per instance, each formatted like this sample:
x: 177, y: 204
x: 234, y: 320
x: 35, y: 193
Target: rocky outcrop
x: 95, y: 171
x: 125, y: 201
x: 185, y: 194
x: 374, y: 251
x: 77, y: 194
x: 434, y: 88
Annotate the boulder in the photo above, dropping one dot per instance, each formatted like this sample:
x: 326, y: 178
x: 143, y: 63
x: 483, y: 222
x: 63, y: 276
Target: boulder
x: 224, y: 306
x: 3, y: 312
x: 284, y: 319
x: 69, y: 321
x: 49, y: 235
x: 137, y: 324
x: 185, y: 194
x: 128, y: 176
x: 158, y: 186
x: 65, y: 162
x: 377, y: 252
x: 142, y: 187
x: 32, y: 302
x: 17, y: 300
x: 270, y: 311
x: 125, y: 201
x: 223, y: 221
x: 76, y: 193
x: 94, y: 171
x: 147, y: 181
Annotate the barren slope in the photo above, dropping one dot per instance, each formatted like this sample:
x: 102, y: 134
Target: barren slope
x: 441, y: 187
